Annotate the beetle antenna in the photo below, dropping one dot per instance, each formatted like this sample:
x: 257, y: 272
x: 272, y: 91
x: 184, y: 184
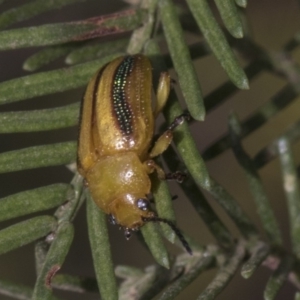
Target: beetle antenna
x: 174, y: 228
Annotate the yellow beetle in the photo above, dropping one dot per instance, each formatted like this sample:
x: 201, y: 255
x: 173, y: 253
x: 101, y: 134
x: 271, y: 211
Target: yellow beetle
x: 116, y: 132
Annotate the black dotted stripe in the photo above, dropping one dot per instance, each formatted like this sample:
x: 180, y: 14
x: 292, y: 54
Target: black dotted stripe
x: 121, y: 107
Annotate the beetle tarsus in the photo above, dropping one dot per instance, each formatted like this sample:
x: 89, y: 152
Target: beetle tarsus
x: 179, y: 120
x: 178, y: 176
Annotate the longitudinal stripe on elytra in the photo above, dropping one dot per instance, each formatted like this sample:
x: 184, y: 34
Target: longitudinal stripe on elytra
x: 121, y: 107
x: 95, y: 93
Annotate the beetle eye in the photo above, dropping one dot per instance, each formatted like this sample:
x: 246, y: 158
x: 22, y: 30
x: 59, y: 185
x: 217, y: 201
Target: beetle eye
x: 142, y: 204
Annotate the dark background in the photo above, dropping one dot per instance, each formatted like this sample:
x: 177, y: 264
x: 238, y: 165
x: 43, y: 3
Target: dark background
x: 272, y: 23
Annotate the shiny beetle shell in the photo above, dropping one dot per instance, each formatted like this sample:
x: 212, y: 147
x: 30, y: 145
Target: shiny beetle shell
x: 116, y: 131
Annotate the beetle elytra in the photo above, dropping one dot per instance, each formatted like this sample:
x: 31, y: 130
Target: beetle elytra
x: 116, y: 132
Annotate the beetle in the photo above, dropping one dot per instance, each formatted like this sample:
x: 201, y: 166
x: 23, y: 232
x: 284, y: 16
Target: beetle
x: 116, y: 132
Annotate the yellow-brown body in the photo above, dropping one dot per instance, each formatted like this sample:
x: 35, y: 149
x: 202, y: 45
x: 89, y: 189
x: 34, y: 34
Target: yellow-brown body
x: 116, y: 131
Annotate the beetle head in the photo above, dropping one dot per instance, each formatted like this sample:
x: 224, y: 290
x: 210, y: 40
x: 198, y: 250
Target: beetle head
x: 128, y: 211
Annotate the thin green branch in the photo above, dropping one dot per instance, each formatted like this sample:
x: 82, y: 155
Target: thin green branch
x: 292, y: 191
x: 181, y: 58
x: 25, y: 232
x: 55, y: 257
x: 101, y: 252
x: 199, y: 202
x: 67, y: 212
x: 38, y: 156
x: 262, y: 115
x: 41, y: 249
x: 31, y: 9
x: 264, y: 208
x: 143, y: 33
x: 229, y: 204
x: 271, y: 151
x: 33, y: 200
x: 227, y: 89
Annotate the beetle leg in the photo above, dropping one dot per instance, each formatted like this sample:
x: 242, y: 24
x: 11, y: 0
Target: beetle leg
x: 152, y: 166
x: 162, y: 93
x: 166, y: 138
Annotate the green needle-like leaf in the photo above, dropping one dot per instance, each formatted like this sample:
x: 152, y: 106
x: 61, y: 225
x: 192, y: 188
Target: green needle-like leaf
x: 76, y: 284
x: 217, y: 42
x: 38, y: 156
x: 46, y: 56
x: 25, y: 232
x: 230, y: 17
x: 39, y: 120
x: 155, y: 244
x: 124, y: 271
x: 278, y: 278
x: 17, y: 291
x: 164, y: 205
x: 101, y: 252
x: 224, y: 275
x: 54, y: 260
x: 196, y: 197
x: 259, y: 253
x: 33, y: 200
x: 191, y: 273
x: 141, y: 284
x: 70, y: 32
x: 190, y: 188
x: 46, y: 83
x: 91, y: 52
x: 264, y: 208
x: 232, y: 209
x: 241, y: 3
x: 186, y: 145
x: 181, y: 58
x: 292, y: 191
x: 31, y: 9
